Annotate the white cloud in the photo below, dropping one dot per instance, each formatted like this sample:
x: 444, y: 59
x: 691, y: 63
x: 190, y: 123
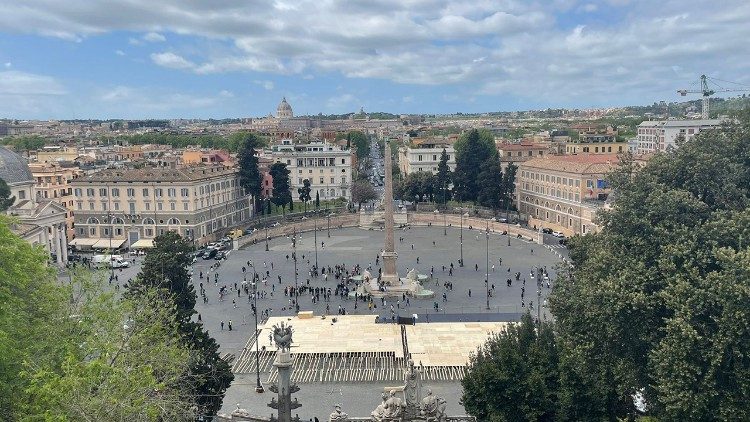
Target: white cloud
x: 8, y: 65
x: 119, y: 52
x: 267, y: 85
x: 226, y: 94
x: 13, y: 82
x: 154, y: 37
x: 341, y: 103
x: 171, y: 60
x: 493, y: 47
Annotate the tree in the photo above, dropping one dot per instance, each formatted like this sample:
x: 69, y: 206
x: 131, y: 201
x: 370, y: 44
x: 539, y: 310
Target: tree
x: 362, y: 191
x: 250, y: 177
x: 471, y: 151
x: 281, y: 188
x: 165, y: 267
x: 490, y: 183
x: 6, y: 200
x: 514, y: 375
x: 304, y: 192
x: 443, y: 179
x: 359, y: 141
x: 509, y: 184
x: 670, y: 318
x: 317, y: 199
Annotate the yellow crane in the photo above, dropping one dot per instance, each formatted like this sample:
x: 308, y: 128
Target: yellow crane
x: 706, y: 92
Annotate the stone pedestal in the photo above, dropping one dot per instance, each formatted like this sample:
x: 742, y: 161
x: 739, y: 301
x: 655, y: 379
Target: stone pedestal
x: 390, y: 274
x: 284, y: 389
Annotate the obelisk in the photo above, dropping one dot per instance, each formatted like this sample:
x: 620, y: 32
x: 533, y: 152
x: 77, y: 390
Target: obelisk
x: 390, y: 273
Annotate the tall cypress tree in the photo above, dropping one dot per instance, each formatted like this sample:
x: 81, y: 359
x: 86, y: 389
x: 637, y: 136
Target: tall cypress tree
x: 165, y: 267
x: 250, y: 177
x: 471, y: 152
x: 443, y: 178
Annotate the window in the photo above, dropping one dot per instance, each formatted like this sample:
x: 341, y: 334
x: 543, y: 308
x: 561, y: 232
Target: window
x: 148, y: 206
x: 434, y: 157
x: 171, y: 192
x: 332, y: 179
x: 90, y: 192
x: 115, y: 192
x: 80, y: 206
x: 321, y: 181
x: 343, y: 179
x: 131, y: 207
x: 419, y: 157
x: 185, y: 192
x: 145, y: 193
x: 102, y: 191
x: 149, y: 232
x: 343, y: 161
x: 172, y: 206
x: 117, y: 206
x: 78, y: 192
x: 589, y: 184
x: 159, y: 206
x: 185, y: 206
x: 159, y: 192
x: 131, y: 192
x: 91, y: 206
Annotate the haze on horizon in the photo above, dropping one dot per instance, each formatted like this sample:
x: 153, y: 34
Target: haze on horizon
x: 233, y: 58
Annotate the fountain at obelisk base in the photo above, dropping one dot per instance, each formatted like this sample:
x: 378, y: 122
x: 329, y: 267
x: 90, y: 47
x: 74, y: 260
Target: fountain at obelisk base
x: 389, y: 283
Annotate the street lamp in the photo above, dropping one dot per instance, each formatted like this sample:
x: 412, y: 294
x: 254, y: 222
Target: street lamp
x: 294, y: 256
x: 487, y: 278
x: 461, y: 262
x: 315, y: 235
x: 266, y: 224
x: 258, y: 386
x: 329, y: 224
x: 507, y: 218
x: 445, y: 211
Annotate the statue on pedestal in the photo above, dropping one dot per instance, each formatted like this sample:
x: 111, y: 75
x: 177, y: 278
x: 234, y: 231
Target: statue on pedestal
x: 338, y: 415
x: 282, y: 335
x: 366, y: 276
x: 433, y: 408
x: 379, y: 413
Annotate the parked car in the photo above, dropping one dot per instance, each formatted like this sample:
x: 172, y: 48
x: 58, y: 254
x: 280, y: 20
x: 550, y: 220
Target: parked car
x: 547, y: 231
x: 220, y: 255
x: 558, y: 234
x: 210, y: 253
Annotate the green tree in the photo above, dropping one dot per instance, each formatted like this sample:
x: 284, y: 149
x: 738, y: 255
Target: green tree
x: 250, y: 177
x: 304, y: 192
x: 165, y: 267
x: 281, y: 188
x: 6, y: 200
x: 317, y: 199
x: 359, y: 141
x: 490, y: 183
x: 509, y: 184
x: 443, y: 179
x: 670, y: 318
x: 362, y: 191
x: 471, y: 151
x: 514, y: 375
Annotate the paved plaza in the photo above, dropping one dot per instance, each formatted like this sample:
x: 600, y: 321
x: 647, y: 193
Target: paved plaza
x: 351, y: 246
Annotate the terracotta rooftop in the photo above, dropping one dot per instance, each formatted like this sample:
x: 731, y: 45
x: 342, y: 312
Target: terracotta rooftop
x: 520, y: 147
x: 578, y: 164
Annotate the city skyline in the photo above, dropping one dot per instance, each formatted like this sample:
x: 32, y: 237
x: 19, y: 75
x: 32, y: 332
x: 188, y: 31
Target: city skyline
x: 231, y: 59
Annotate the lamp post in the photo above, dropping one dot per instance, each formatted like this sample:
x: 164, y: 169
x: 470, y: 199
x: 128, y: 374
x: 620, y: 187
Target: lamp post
x: 266, y: 224
x: 258, y: 386
x: 487, y: 262
x: 294, y: 256
x: 329, y: 224
x: 315, y: 237
x: 507, y: 218
x: 445, y: 210
x: 461, y: 262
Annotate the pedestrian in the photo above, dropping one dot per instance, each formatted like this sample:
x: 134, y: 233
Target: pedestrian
x: 469, y: 292
x: 222, y: 325
x: 199, y: 317
x: 230, y: 325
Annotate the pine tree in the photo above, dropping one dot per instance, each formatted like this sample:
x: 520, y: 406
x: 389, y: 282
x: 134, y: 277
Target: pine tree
x: 490, y: 183
x: 443, y: 178
x: 250, y: 177
x: 165, y: 267
x: 281, y: 188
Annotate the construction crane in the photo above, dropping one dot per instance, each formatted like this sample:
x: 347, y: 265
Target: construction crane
x: 707, y: 92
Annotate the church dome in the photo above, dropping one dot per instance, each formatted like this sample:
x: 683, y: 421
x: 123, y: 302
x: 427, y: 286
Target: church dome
x: 284, y: 110
x: 13, y: 169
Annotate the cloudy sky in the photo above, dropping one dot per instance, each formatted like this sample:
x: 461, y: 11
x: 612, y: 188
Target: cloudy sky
x: 237, y: 58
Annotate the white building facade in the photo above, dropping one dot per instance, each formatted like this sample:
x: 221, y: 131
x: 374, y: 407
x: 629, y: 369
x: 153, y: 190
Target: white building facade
x: 663, y: 135
x: 412, y: 160
x: 328, y: 168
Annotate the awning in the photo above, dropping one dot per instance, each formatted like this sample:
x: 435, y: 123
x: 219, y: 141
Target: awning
x: 105, y: 243
x: 84, y: 241
x: 143, y: 244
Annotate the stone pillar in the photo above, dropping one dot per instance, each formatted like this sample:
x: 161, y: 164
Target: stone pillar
x: 284, y: 389
x: 64, y: 241
x: 390, y: 273
x: 56, y: 244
